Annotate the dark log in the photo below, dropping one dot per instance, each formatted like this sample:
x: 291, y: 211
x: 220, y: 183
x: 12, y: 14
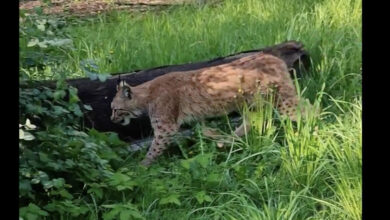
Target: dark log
x: 100, y: 94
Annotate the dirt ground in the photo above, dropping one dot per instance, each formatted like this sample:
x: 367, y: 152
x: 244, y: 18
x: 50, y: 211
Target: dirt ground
x: 91, y: 7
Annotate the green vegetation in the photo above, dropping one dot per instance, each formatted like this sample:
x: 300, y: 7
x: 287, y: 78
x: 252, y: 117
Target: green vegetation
x: 311, y: 170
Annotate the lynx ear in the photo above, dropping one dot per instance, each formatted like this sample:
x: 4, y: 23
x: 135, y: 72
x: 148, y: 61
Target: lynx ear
x: 122, y: 84
x: 126, y: 91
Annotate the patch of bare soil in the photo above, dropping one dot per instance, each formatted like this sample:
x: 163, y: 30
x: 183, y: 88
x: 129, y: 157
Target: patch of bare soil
x: 92, y: 7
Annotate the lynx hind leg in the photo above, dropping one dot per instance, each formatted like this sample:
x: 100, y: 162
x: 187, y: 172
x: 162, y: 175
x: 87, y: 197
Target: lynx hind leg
x: 287, y: 102
x: 163, y: 132
x: 244, y: 128
x: 211, y: 133
x: 240, y: 131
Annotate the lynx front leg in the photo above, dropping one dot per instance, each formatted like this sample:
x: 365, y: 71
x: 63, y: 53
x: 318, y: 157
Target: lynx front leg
x: 163, y: 132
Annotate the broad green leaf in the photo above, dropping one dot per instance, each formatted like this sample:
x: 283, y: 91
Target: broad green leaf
x: 32, y: 42
x: 35, y: 181
x: 76, y: 110
x: 31, y: 216
x: 119, y: 178
x: 73, y: 98
x: 111, y: 214
x: 49, y: 32
x: 88, y: 107
x: 201, y: 197
x: 125, y: 211
x: 213, y: 178
x: 125, y: 215
x: 64, y: 193
x: 70, y: 163
x: 58, y: 110
x: 41, y: 27
x: 32, y: 211
x: 59, y: 42
x: 203, y: 160
x: 186, y: 163
x: 207, y: 198
x: 58, y: 182
x: 130, y: 214
x: 47, y: 184
x: 24, y: 186
x: 59, y: 94
x: 43, y: 21
x: 171, y: 199
x: 78, y: 133
x: 44, y: 157
x: 98, y: 192
x: 42, y: 44
x: 122, y: 182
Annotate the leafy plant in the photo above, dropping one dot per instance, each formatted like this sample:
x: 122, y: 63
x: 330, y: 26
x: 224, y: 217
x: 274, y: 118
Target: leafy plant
x: 58, y: 157
x: 123, y: 211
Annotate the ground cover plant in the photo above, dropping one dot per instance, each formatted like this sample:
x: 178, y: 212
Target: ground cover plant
x: 280, y: 170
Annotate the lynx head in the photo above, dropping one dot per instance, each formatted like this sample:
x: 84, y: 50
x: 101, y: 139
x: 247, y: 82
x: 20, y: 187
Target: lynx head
x: 124, y: 105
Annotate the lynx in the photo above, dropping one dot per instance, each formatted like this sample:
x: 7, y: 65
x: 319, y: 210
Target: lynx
x: 178, y: 97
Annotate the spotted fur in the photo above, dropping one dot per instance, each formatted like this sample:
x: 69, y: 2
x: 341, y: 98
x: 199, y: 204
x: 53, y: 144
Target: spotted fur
x: 174, y: 98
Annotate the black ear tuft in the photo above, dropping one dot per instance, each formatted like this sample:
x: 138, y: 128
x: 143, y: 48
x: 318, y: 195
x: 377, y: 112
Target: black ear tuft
x: 119, y: 79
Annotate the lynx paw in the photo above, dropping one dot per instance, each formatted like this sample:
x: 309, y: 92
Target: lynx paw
x: 146, y: 162
x: 220, y: 144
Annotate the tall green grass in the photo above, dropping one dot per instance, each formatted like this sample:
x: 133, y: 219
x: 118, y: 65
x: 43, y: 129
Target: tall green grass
x: 280, y: 170
x: 330, y: 30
